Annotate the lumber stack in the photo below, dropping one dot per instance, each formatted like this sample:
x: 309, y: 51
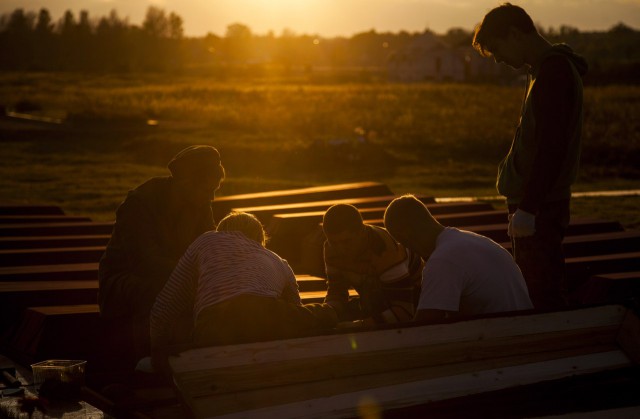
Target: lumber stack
x: 336, y: 375
x: 48, y: 286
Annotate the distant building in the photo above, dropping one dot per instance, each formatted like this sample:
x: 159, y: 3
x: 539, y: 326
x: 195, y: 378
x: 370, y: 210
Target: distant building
x: 428, y: 58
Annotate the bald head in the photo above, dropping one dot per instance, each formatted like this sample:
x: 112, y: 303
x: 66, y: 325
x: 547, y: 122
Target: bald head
x: 410, y: 222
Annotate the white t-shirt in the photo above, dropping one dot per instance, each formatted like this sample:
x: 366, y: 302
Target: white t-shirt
x: 472, y: 274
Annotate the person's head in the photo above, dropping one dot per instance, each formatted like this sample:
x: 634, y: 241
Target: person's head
x: 410, y: 222
x: 245, y: 223
x: 502, y: 34
x: 344, y: 229
x: 198, y: 172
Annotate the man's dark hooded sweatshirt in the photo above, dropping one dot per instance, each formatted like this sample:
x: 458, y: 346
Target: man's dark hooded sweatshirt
x: 543, y: 160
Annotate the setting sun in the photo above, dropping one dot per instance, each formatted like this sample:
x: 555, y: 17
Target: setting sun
x: 329, y: 18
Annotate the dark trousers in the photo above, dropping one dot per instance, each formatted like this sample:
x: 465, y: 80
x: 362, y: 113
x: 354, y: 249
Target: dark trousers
x: 540, y: 257
x: 128, y: 298
x: 250, y: 318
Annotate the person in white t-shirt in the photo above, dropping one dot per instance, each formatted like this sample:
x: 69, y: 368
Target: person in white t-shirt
x: 464, y: 274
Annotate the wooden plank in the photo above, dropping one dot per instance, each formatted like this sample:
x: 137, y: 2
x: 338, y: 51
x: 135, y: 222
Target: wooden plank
x: 629, y: 336
x: 51, y: 256
x: 42, y: 242
x: 17, y: 296
x: 74, y: 271
x: 33, y: 219
x: 631, y: 412
x: 215, y: 381
x: 597, y: 244
x: 475, y: 330
x: 222, y: 205
x: 422, y: 391
x: 311, y: 283
x: 458, y: 219
x: 24, y: 209
x: 310, y: 287
x: 252, y: 358
x: 67, y: 332
x: 619, y: 276
x: 56, y: 229
x: 318, y: 296
x: 264, y: 213
x: 74, y: 300
x: 38, y: 286
x: 579, y: 269
x: 610, y: 288
x: 578, y: 226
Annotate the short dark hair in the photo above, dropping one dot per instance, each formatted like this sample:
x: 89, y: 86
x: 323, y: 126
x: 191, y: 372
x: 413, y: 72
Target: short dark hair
x: 340, y: 218
x: 404, y: 212
x: 497, y: 23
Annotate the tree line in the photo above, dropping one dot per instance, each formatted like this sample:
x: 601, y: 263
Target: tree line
x: 33, y: 41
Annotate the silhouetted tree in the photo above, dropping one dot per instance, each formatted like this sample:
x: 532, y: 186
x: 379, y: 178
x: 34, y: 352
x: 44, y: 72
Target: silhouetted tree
x: 45, y: 45
x: 32, y: 41
x: 237, y: 43
x: 18, y: 39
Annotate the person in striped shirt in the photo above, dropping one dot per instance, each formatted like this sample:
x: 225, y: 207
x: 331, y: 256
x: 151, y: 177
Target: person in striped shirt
x: 236, y: 291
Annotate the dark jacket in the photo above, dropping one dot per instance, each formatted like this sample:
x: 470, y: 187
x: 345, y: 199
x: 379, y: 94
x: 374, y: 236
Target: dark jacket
x: 149, y: 236
x: 543, y: 160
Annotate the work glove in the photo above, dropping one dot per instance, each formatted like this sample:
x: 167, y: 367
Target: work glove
x: 521, y: 224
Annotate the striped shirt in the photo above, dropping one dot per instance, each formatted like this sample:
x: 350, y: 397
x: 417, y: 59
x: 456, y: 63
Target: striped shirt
x: 216, y: 267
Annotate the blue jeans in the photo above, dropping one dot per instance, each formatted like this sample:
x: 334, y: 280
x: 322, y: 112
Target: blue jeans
x: 540, y: 257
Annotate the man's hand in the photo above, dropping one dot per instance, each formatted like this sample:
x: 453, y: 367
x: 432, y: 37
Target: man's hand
x: 521, y: 224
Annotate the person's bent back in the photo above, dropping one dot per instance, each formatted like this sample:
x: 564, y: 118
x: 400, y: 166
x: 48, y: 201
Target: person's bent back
x: 236, y: 290
x: 464, y: 274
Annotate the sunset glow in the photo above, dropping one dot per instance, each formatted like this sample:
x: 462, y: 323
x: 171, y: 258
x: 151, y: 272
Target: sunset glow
x: 330, y: 18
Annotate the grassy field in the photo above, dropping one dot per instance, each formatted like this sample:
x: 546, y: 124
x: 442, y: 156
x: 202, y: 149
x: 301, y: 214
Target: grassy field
x: 443, y: 140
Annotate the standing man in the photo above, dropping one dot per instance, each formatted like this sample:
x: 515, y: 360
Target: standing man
x: 154, y: 226
x: 464, y: 273
x: 542, y: 163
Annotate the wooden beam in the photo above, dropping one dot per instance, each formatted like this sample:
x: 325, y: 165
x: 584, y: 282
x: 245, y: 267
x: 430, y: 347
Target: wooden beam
x: 339, y: 403
x: 211, y: 381
x: 24, y: 209
x: 472, y: 330
x: 7, y: 243
x: 74, y: 271
x: 629, y: 336
x: 56, y: 229
x: 222, y: 205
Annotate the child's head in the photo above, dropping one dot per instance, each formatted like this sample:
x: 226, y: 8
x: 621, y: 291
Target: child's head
x: 245, y: 223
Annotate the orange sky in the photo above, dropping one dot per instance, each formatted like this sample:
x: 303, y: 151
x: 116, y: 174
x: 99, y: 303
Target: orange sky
x: 346, y: 17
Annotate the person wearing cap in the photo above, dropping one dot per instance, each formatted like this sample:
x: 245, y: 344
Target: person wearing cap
x: 154, y: 226
x: 464, y: 273
x: 384, y: 273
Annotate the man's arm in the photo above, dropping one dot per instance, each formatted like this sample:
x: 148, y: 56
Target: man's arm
x: 554, y: 100
x: 291, y: 292
x: 337, y: 286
